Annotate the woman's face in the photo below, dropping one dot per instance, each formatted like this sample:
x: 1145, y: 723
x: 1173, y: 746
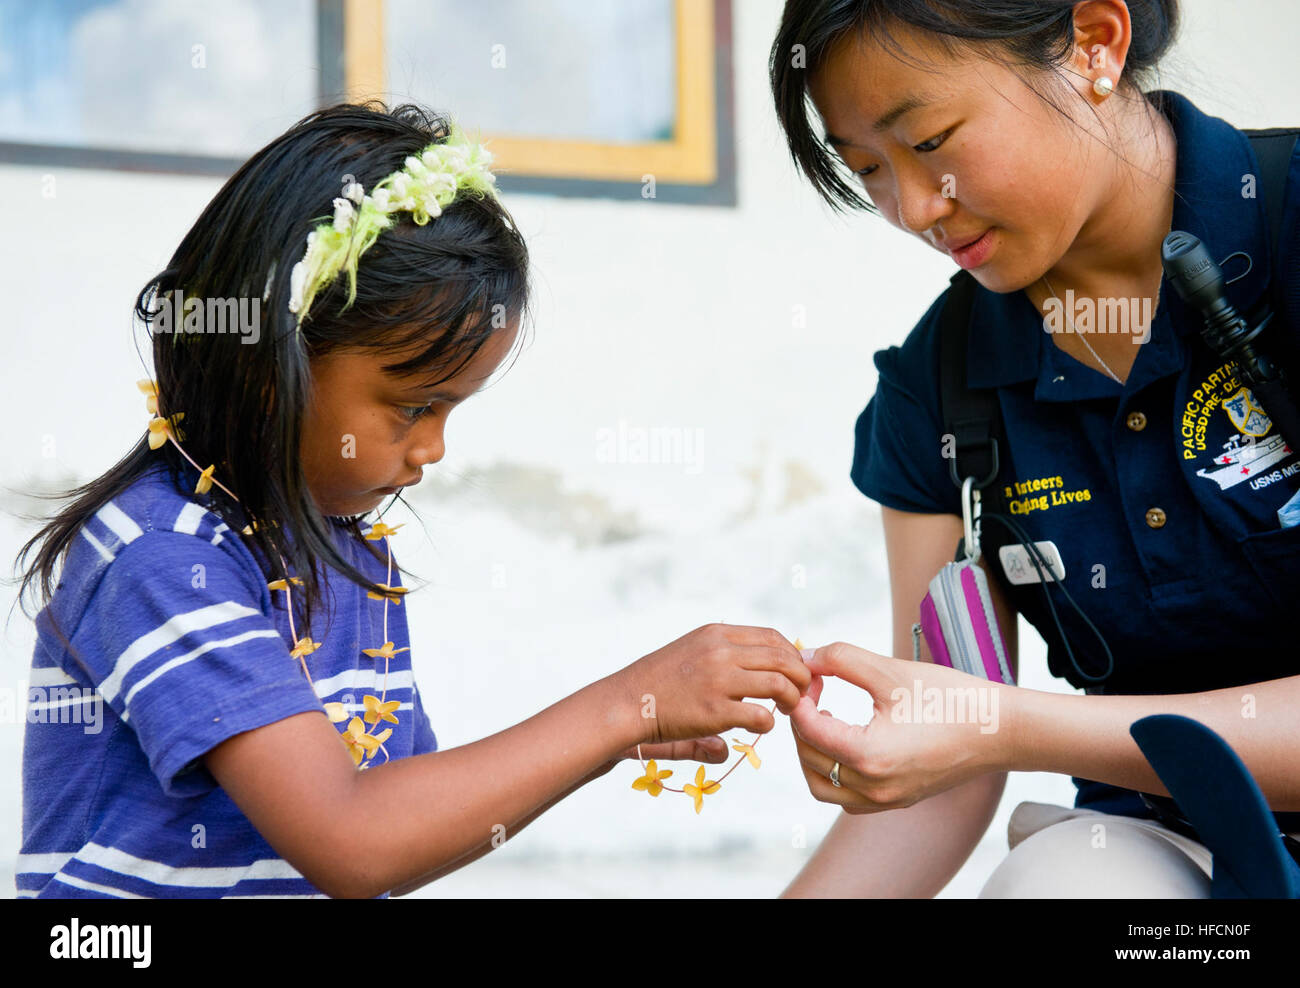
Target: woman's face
x: 369, y: 431
x: 977, y: 154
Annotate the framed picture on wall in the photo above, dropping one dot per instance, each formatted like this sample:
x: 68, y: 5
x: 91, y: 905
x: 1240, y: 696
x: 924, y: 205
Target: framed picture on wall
x: 155, y: 85
x: 629, y: 99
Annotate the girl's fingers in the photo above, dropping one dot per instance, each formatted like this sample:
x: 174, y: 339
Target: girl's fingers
x: 743, y: 634
x: 710, y: 749
x: 768, y: 685
x: 751, y: 717
x: 785, y: 660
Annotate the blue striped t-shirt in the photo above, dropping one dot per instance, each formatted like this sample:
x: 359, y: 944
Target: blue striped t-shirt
x: 181, y: 648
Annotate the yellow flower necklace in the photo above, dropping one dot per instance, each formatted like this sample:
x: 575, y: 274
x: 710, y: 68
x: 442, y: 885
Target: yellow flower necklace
x: 357, y: 737
x: 652, y: 782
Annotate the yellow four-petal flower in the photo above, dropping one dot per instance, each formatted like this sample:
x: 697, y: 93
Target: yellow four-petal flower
x: 701, y: 788
x: 394, y: 593
x: 650, y: 781
x: 379, y: 739
x: 205, y: 480
x: 304, y: 646
x: 150, y: 390
x: 377, y: 711
x: 336, y: 712
x: 387, y: 652
x: 748, y: 751
x: 161, y: 428
x: 357, y: 740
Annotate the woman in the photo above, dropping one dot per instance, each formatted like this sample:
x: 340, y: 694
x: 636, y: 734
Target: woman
x: 1014, y: 136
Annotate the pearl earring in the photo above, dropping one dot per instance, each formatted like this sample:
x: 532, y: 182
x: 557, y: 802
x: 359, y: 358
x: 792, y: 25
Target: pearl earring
x: 1103, y: 87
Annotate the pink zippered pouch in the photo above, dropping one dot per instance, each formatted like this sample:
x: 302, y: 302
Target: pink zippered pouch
x: 961, y: 626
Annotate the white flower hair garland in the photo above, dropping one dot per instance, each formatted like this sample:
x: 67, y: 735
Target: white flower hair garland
x: 423, y: 187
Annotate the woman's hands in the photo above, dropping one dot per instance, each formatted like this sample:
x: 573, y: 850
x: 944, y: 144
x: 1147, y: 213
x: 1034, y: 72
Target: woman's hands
x: 933, y: 728
x: 696, y: 687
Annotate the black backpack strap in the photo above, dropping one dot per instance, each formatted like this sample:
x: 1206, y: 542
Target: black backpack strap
x: 1273, y: 149
x: 971, y: 416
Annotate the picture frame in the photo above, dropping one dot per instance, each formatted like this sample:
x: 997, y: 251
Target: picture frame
x: 694, y: 163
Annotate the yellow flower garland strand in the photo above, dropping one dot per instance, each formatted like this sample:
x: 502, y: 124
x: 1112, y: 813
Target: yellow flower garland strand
x: 652, y: 782
x: 361, y: 744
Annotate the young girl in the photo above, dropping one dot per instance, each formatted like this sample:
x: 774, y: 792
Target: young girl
x: 1014, y: 137
x: 223, y: 592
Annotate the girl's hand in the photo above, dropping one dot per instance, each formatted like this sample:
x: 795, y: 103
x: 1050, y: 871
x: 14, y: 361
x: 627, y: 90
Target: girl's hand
x: 933, y: 728
x: 696, y: 686
x: 713, y: 750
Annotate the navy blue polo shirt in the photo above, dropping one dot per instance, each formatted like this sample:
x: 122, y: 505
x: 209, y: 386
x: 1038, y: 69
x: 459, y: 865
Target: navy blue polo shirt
x: 1160, y: 494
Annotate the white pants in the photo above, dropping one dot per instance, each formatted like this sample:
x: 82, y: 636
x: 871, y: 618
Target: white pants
x: 1060, y: 852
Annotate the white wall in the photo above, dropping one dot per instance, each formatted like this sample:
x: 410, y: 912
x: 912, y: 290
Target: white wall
x: 651, y: 313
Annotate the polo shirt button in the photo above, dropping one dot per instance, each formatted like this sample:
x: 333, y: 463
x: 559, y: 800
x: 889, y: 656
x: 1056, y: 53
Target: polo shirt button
x: 1137, y: 421
x: 1155, y: 518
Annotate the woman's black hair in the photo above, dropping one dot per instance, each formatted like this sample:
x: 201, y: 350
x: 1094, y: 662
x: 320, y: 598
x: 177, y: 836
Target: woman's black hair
x: 445, y: 287
x: 1022, y: 34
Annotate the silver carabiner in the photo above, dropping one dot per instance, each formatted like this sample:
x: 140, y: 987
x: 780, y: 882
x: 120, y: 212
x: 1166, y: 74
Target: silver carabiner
x: 970, y: 517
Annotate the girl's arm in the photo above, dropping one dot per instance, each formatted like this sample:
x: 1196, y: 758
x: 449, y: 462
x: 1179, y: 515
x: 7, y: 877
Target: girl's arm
x: 681, y: 750
x: 332, y: 822
x: 487, y: 846
x: 359, y: 834
x: 913, y: 851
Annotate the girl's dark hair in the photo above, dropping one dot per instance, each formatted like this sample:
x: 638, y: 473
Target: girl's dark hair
x: 448, y: 285
x: 1022, y: 34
